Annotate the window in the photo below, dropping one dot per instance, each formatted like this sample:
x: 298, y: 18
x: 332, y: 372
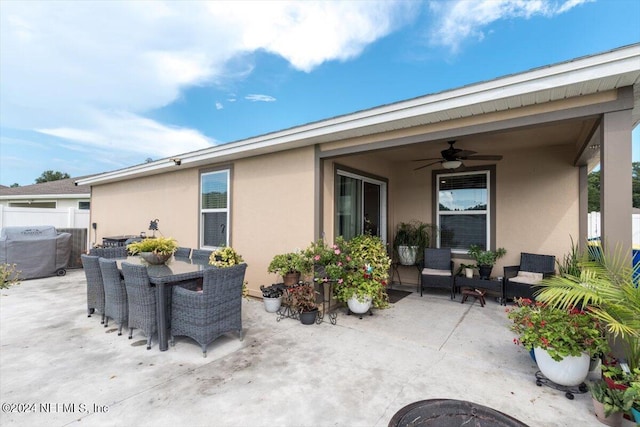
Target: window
x: 84, y: 205
x: 214, y: 208
x: 360, y: 205
x: 463, y: 209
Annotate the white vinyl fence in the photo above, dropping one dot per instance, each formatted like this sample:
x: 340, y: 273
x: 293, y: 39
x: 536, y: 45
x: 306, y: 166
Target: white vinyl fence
x: 59, y: 218
x: 593, y: 225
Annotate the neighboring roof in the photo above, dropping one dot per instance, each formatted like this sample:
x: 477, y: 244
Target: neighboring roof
x: 60, y: 189
x: 582, y: 76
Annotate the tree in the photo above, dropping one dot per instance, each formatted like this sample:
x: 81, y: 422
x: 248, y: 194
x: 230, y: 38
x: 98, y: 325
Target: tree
x: 51, y: 176
x: 594, y: 188
x: 14, y: 185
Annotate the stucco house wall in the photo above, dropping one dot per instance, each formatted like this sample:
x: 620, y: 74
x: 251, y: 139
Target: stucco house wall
x: 551, y: 125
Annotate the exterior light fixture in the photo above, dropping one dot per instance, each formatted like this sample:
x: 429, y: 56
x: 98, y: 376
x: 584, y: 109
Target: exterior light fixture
x: 451, y: 164
x: 177, y: 161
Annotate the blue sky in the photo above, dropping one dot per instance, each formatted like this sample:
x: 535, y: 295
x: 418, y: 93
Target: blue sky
x: 89, y: 87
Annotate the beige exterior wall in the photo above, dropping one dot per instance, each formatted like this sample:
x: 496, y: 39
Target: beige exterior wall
x: 272, y: 210
x: 127, y: 207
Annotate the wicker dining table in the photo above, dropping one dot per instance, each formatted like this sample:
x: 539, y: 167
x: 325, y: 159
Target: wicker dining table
x: 173, y: 272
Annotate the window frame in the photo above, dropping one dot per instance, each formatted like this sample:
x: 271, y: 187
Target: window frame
x: 202, y: 211
x: 490, y: 212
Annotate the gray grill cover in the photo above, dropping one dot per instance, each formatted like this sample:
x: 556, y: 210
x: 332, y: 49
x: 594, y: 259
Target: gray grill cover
x: 37, y: 251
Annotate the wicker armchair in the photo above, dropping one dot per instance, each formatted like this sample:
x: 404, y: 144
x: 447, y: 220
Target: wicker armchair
x: 182, y: 253
x: 437, y: 271
x: 95, y: 287
x: 115, y: 294
x: 111, y: 252
x: 206, y: 315
x: 201, y: 254
x: 520, y: 280
x: 141, y: 299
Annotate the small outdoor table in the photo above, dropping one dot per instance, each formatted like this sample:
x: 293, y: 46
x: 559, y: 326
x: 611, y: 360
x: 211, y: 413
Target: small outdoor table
x: 493, y: 284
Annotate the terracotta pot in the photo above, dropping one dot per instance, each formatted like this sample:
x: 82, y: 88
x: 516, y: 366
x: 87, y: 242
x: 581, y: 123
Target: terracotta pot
x: 613, y: 420
x: 291, y: 279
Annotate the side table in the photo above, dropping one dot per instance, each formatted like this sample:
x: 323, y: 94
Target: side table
x: 394, y: 271
x: 492, y: 284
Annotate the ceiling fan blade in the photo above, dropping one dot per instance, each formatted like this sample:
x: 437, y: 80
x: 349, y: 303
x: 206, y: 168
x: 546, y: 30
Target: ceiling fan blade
x: 463, y: 154
x: 427, y: 165
x: 426, y: 160
x: 484, y: 157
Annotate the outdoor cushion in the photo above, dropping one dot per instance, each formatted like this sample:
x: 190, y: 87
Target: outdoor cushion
x: 436, y: 272
x: 527, y: 277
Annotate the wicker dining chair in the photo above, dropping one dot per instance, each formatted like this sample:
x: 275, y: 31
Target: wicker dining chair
x: 205, y: 316
x: 95, y: 287
x: 201, y: 254
x: 182, y: 252
x: 110, y: 252
x: 115, y: 294
x: 141, y: 297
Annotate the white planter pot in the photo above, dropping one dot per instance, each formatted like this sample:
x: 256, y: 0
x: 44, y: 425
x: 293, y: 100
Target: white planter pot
x: 468, y: 272
x: 570, y: 371
x: 272, y: 305
x: 359, y: 307
x: 407, y: 254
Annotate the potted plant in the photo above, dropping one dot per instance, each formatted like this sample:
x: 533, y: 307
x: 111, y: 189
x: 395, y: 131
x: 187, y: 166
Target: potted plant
x: 290, y: 266
x: 608, y: 403
x: 272, y: 297
x: 154, y: 250
x: 568, y: 337
x: 633, y: 393
x: 10, y: 275
x: 604, y: 286
x: 366, y: 282
x: 467, y: 269
x: 330, y: 262
x: 410, y: 240
x: 303, y: 300
x: 485, y: 259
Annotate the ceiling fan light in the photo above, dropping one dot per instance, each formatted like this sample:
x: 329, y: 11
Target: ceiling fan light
x: 451, y: 164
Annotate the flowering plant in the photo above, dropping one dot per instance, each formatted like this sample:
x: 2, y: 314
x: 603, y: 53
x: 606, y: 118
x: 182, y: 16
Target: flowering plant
x: 369, y: 276
x: 561, y: 332
x: 331, y: 262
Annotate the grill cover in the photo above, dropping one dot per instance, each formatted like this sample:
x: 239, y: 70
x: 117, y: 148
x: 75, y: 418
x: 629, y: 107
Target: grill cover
x: 37, y: 251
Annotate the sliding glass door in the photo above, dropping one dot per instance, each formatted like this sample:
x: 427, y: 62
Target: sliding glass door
x: 360, y: 205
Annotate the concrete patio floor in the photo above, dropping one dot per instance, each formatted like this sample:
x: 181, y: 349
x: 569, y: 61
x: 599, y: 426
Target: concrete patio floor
x: 66, y: 369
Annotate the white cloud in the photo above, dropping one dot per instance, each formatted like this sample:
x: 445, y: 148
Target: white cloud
x: 462, y: 19
x: 90, y: 71
x: 138, y: 134
x: 259, y: 98
x: 219, y: 105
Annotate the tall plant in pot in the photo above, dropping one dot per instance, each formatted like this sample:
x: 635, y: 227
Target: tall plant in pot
x: 485, y: 259
x: 303, y: 300
x: 410, y: 240
x: 367, y: 280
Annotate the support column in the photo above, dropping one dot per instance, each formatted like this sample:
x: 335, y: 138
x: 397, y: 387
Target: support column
x: 615, y: 181
x: 583, y: 207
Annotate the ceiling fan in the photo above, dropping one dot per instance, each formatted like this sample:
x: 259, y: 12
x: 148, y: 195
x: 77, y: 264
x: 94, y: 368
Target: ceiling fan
x: 452, y: 157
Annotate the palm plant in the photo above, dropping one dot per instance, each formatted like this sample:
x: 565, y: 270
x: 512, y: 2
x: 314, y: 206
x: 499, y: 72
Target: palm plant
x: 604, y: 286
